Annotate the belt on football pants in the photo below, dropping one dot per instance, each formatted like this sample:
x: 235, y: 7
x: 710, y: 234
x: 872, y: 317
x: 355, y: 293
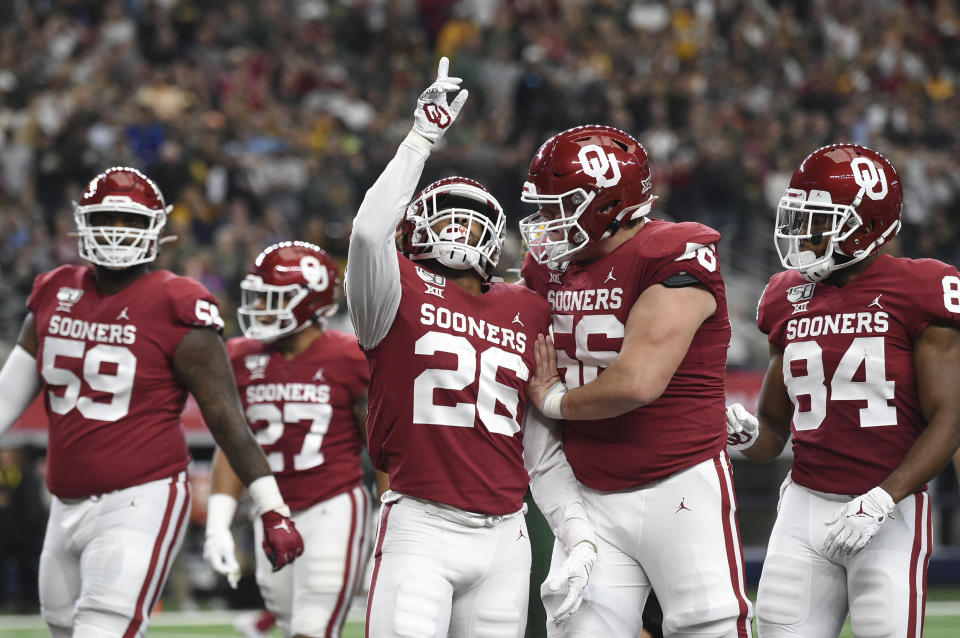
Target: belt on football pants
x: 451, y: 513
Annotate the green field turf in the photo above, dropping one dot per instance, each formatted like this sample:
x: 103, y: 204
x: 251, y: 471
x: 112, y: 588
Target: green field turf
x: 942, y: 621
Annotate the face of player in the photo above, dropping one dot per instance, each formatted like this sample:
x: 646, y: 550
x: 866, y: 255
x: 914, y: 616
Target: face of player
x: 117, y: 219
x: 816, y: 225
x: 460, y: 229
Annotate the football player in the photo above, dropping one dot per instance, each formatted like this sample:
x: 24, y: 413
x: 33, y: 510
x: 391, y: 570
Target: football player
x: 303, y: 389
x: 640, y: 335
x: 450, y: 352
x: 865, y: 362
x: 115, y: 348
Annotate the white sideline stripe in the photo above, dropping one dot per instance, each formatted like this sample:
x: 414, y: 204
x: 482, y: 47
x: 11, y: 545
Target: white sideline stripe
x: 226, y: 617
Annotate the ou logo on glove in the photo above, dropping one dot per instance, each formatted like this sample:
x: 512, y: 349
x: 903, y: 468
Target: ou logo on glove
x: 437, y: 114
x: 596, y: 164
x: 316, y: 275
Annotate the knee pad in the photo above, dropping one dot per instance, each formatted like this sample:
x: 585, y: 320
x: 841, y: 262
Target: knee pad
x: 699, y: 596
x: 872, y: 606
x: 784, y: 594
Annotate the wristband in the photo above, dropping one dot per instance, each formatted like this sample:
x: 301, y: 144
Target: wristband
x: 266, y: 496
x: 220, y: 510
x: 551, y: 402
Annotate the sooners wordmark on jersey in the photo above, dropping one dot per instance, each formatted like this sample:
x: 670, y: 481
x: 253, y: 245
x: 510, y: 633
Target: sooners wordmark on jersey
x: 591, y: 302
x: 301, y: 412
x: 848, y: 366
x: 448, y: 392
x: 109, y: 388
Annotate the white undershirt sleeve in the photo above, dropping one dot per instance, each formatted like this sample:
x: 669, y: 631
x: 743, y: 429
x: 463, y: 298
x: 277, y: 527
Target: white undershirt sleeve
x: 372, y: 278
x: 555, y: 488
x: 19, y: 384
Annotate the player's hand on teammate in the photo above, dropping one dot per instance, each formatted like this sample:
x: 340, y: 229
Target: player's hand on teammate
x: 433, y: 116
x: 281, y: 541
x: 573, y: 575
x: 742, y: 427
x: 854, y: 524
x: 545, y: 389
x: 219, y: 551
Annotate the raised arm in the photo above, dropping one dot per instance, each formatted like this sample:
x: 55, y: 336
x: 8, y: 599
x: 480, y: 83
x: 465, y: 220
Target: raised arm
x: 372, y: 278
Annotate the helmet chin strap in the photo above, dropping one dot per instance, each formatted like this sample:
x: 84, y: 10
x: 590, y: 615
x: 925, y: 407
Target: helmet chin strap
x: 817, y: 272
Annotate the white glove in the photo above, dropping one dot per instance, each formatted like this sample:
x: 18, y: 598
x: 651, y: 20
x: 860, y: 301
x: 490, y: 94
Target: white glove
x: 854, y: 524
x: 433, y: 116
x: 742, y: 427
x: 575, y: 572
x: 218, y: 547
x: 219, y: 550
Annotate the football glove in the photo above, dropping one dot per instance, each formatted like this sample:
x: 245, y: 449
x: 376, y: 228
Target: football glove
x: 281, y: 541
x: 742, y: 427
x: 854, y: 524
x: 218, y: 546
x: 575, y: 573
x: 433, y: 116
x: 220, y: 552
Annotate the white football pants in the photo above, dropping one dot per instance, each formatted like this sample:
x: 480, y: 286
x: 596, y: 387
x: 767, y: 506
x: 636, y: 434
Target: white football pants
x: 440, y: 571
x: 883, y: 586
x: 678, y: 535
x: 312, y: 595
x: 105, y: 558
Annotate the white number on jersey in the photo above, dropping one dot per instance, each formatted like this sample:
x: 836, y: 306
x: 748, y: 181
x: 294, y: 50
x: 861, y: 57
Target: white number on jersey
x: 951, y: 293
x: 875, y: 389
x: 588, y: 363
x: 118, y: 383
x: 489, y: 390
x: 208, y: 313
x: 309, y: 456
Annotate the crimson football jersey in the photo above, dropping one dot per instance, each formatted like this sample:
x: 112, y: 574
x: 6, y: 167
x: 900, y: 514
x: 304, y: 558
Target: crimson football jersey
x: 591, y: 302
x: 302, y: 413
x: 448, y: 391
x: 848, y: 365
x: 106, y: 364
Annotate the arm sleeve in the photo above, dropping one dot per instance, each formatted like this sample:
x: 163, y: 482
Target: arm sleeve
x: 19, y: 383
x: 372, y: 279
x: 555, y: 488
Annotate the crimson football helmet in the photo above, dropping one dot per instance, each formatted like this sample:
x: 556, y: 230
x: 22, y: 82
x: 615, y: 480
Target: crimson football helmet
x: 473, y: 234
x: 836, y: 193
x: 124, y: 190
x: 587, y: 181
x: 291, y: 284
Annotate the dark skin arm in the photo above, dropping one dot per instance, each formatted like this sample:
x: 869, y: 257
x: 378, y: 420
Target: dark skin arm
x: 936, y: 364
x: 203, y: 368
x: 774, y: 412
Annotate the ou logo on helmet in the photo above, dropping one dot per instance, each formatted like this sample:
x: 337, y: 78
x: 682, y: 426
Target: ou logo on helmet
x: 318, y: 279
x: 596, y: 164
x: 871, y: 179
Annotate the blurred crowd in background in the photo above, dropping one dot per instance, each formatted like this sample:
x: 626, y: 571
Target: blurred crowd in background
x: 265, y: 120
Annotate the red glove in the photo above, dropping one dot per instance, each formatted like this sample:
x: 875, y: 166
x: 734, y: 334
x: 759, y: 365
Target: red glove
x: 281, y: 540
